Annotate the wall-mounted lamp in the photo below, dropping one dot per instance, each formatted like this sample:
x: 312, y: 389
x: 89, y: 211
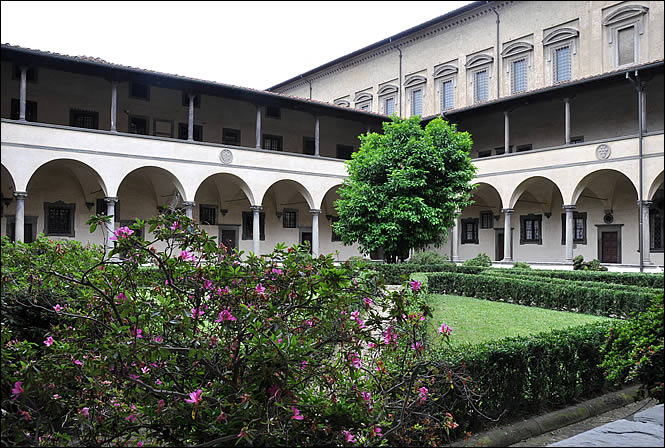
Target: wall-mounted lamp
x: 224, y: 211
x: 548, y: 215
x: 329, y: 217
x: 7, y: 201
x: 496, y: 217
x: 279, y: 215
x: 89, y: 205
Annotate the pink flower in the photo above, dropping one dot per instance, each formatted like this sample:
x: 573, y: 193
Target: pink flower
x: 225, y: 315
x: 194, y: 397
x: 137, y: 332
x: 377, y: 431
x: 158, y: 381
x: 121, y: 297
x: 196, y: 312
x: 131, y: 418
x: 49, y: 341
x: 187, y: 256
x: 445, y: 329
x: 296, y: 414
x: 416, y: 346
x: 260, y: 290
x: 273, y: 391
x: 17, y: 388
x: 85, y: 412
x: 423, y: 393
x: 56, y: 396
x: 276, y: 271
x: 366, y: 396
x: 349, y: 437
x: 355, y: 314
x: 145, y: 369
x: 77, y: 362
x: 361, y: 323
x: 175, y: 225
x: 122, y: 232
x: 368, y: 302
x: 303, y: 366
x: 371, y: 345
x: 221, y: 416
x: 139, y: 444
x: 415, y: 285
x: 355, y: 360
x: 157, y: 339
x: 160, y: 405
x: 57, y: 307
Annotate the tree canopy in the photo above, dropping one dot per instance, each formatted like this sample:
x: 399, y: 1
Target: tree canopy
x: 405, y: 187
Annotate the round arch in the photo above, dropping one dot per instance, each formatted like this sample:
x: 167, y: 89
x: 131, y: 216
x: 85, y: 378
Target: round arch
x: 540, y: 187
x: 85, y: 175
x: 489, y: 194
x: 154, y: 175
x: 241, y: 184
x: 8, y: 183
x: 330, y: 190
x: 602, y: 180
x: 655, y: 185
x: 294, y: 184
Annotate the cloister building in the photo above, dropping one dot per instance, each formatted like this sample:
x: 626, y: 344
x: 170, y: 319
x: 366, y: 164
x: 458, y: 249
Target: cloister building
x: 564, y: 101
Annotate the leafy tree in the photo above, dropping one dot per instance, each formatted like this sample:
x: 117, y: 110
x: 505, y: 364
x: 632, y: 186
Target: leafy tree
x: 405, y: 187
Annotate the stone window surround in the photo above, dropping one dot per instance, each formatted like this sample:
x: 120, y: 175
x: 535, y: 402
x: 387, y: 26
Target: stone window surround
x: 442, y: 74
x: 514, y: 52
x: 621, y: 18
x: 385, y: 93
x: 60, y: 204
x: 363, y: 99
x: 463, y: 223
x: 210, y: 206
x: 614, y: 43
x: 576, y: 215
x: 484, y: 214
x: 297, y: 218
x: 475, y: 64
x: 413, y: 83
x: 531, y: 217
x: 609, y: 228
x: 556, y: 39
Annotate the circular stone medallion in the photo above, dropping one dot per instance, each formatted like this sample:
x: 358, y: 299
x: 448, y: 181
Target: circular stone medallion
x: 226, y: 156
x: 603, y: 152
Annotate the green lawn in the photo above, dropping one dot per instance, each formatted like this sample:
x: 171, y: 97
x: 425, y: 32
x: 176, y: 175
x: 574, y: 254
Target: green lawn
x: 476, y: 320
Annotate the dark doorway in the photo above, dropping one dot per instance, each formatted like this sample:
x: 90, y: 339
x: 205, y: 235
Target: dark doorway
x: 610, y: 247
x: 499, y: 246
x: 306, y: 236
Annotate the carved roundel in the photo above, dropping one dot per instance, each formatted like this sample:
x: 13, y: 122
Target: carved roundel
x: 226, y: 156
x: 603, y: 152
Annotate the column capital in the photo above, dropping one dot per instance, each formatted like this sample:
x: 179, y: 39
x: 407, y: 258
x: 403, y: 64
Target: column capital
x: 645, y: 203
x: 188, y: 203
x: 569, y: 206
x: 256, y: 208
x: 505, y: 113
x: 109, y: 199
x: 20, y: 194
x: 315, y: 211
x: 566, y: 100
x: 507, y: 211
x: 191, y: 96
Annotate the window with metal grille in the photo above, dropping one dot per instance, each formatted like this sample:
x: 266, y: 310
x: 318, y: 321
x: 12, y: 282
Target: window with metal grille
x: 30, y: 110
x: 308, y: 145
x: 138, y: 125
x: 562, y: 66
x: 446, y: 95
x: 290, y: 218
x: 530, y: 229
x: 486, y: 220
x: 139, y: 91
x: 248, y: 225
x: 334, y: 236
x: 344, y: 152
x: 417, y: 102
x: 59, y: 219
x: 83, y: 119
x: 480, y: 87
x: 579, y: 229
x: 272, y: 142
x: 470, y: 231
x: 208, y: 214
x: 626, y: 46
x: 656, y: 228
x: 183, y: 132
x: 231, y: 136
x: 518, y: 79
x: 389, y: 106
x: 273, y: 112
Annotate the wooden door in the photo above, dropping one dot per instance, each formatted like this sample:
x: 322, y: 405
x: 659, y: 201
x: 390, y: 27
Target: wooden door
x: 610, y: 248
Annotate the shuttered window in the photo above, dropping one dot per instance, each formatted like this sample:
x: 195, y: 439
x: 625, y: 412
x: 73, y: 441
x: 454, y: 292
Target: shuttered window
x: 626, y: 45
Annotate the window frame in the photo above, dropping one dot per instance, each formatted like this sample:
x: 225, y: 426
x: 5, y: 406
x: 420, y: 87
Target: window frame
x: 131, y: 91
x: 513, y: 72
x: 484, y: 214
x: 534, y: 218
x: 339, y: 147
x: 474, y: 232
x: 571, y: 73
x: 198, y: 128
x: 474, y: 82
x: 210, y: 207
x: 62, y: 205
x: 412, y: 92
x: 139, y: 117
x: 274, y: 112
x: 294, y: 211
x: 278, y: 138
x: 248, y: 226
x: 30, y: 110
x: 384, y: 102
x: 334, y: 237
x: 92, y: 113
x: 576, y: 216
x: 442, y: 82
x: 308, y: 140
x: 636, y: 43
x: 232, y: 130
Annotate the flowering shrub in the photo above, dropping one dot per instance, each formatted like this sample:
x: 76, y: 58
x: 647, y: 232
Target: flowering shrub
x: 210, y: 348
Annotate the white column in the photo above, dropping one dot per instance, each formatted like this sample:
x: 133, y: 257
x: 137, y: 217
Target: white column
x: 507, y: 235
x: 567, y: 119
x: 19, y: 222
x: 455, y: 241
x: 22, y: 97
x: 189, y: 207
x: 114, y: 106
x: 258, y: 127
x: 317, y: 138
x: 570, y: 231
x: 256, y: 228
x: 315, y: 232
x: 644, y: 110
x: 190, y: 122
x: 646, y: 232
x: 110, y: 211
x: 506, y: 132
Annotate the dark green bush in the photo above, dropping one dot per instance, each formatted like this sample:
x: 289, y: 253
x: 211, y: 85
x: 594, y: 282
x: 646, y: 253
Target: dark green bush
x: 481, y: 260
x: 394, y: 274
x: 615, y: 278
x: 635, y: 350
x: 521, y: 265
x: 428, y: 257
x: 559, y: 296
x: 580, y: 265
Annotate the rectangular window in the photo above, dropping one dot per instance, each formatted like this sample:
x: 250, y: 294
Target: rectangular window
x: 389, y: 106
x: 577, y: 139
x: 308, y: 145
x: 579, y: 229
x: 59, y: 219
x: 83, y: 119
x: 522, y: 148
x: 334, y: 236
x: 185, y: 100
x: 446, y: 95
x: 273, y: 112
x: 344, y: 152
x: 183, y: 132
x: 162, y: 128
x: 248, y: 225
x: 30, y: 110
x: 231, y: 136
x: 530, y: 229
x: 519, y: 76
x: 484, y: 153
x: 139, y: 91
x: 138, y: 125
x: 208, y: 214
x: 470, y: 231
x: 417, y: 102
x: 480, y: 87
x: 626, y: 46
x: 272, y: 142
x: 562, y: 66
x: 486, y: 220
x: 290, y: 218
x: 656, y: 229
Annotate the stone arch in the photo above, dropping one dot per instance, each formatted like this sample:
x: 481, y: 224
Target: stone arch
x: 73, y: 167
x: 598, y: 177
x: 154, y: 172
x: 326, y: 206
x: 541, y: 188
x: 295, y: 184
x: 489, y: 194
x: 655, y: 186
x: 239, y: 182
x: 8, y: 184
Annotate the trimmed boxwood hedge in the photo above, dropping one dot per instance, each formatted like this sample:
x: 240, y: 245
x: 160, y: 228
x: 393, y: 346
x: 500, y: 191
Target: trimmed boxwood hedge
x: 566, y: 296
x: 620, y: 278
x: 395, y: 274
x: 523, y: 376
